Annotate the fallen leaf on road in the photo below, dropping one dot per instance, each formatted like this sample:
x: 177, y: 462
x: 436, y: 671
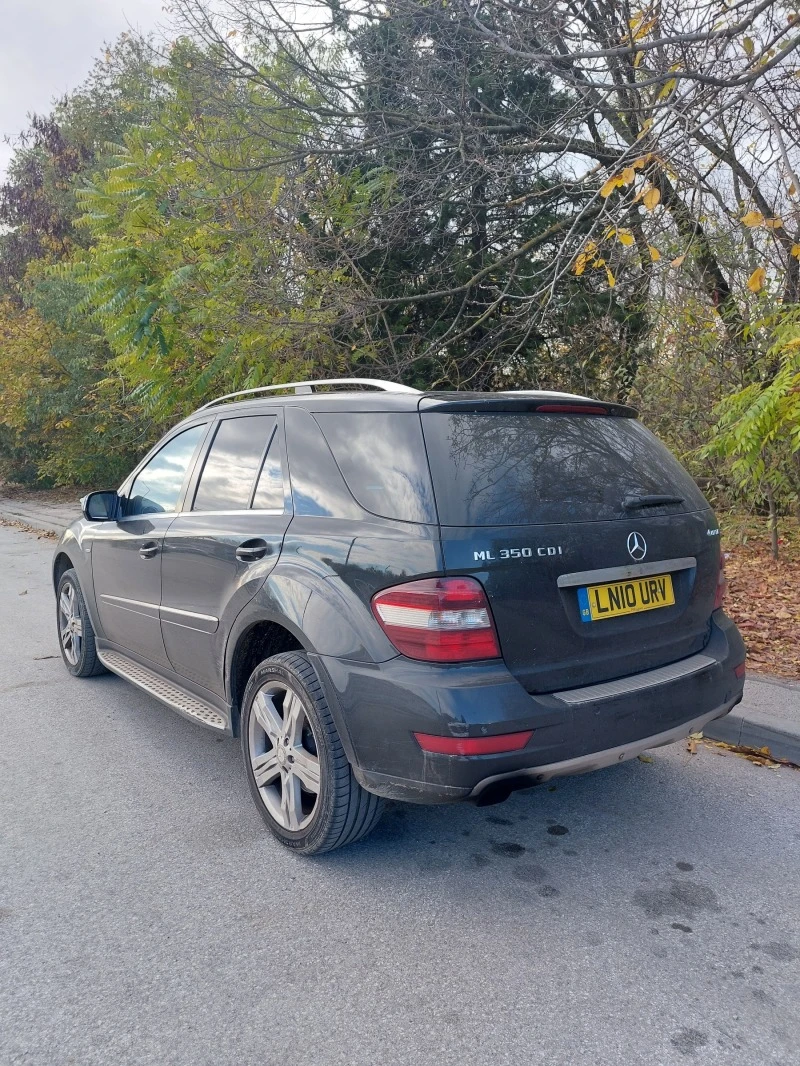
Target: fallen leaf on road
x: 757, y: 756
x: 644, y: 758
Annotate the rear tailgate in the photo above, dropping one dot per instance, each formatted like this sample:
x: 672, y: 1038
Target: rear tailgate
x: 582, y: 588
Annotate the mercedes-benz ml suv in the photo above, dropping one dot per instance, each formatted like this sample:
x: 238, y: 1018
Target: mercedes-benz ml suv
x: 427, y: 596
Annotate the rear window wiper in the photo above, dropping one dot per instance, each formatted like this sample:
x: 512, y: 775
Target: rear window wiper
x: 633, y: 502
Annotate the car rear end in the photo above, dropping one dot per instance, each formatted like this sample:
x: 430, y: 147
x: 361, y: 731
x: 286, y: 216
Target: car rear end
x: 577, y: 620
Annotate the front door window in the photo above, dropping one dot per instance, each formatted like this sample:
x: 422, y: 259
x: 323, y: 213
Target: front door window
x: 157, y: 487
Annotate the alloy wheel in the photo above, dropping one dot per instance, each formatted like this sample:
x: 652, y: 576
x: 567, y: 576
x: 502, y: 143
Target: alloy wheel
x: 284, y: 756
x: 70, y: 625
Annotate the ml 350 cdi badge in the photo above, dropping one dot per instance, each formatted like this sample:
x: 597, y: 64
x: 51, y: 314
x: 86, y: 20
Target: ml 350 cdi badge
x: 426, y: 596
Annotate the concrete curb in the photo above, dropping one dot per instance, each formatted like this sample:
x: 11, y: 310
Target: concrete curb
x: 757, y: 727
x: 756, y: 731
x: 20, y: 514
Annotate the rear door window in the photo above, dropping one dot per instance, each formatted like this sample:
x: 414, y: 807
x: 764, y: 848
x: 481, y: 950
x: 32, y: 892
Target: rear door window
x: 498, y: 468
x: 382, y: 459
x: 269, y: 495
x: 233, y: 463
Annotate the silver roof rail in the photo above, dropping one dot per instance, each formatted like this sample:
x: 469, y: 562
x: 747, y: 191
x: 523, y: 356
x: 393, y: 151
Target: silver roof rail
x: 309, y: 386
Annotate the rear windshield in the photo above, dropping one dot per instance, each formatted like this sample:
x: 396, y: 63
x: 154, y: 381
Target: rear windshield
x: 513, y: 469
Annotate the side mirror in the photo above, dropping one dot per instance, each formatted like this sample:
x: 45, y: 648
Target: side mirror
x: 100, y: 506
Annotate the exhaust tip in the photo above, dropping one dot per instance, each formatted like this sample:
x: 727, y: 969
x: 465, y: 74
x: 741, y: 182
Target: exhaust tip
x: 499, y: 791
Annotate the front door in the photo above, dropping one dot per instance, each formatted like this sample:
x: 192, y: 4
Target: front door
x: 219, y: 550
x: 126, y: 554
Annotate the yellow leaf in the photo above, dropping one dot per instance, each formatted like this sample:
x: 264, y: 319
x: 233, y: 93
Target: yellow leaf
x: 655, y: 255
x: 637, y: 61
x: 747, y: 44
x: 796, y: 251
x: 679, y: 261
x: 753, y: 219
x: 232, y: 33
x: 628, y: 175
x: 651, y: 198
x: 667, y: 89
x: 792, y: 190
x: 773, y: 223
x: 624, y: 236
x: 609, y: 187
x: 612, y: 281
x: 755, y: 282
x: 644, y: 758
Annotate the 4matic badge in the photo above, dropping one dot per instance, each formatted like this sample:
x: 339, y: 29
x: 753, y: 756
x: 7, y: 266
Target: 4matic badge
x: 488, y: 556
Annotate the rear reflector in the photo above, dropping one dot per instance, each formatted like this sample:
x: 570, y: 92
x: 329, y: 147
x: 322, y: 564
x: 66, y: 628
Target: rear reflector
x: 569, y: 409
x: 722, y: 585
x: 740, y: 670
x: 473, y: 745
x: 438, y: 619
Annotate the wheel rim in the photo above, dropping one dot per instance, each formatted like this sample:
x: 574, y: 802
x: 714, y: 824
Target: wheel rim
x: 70, y: 626
x: 283, y: 755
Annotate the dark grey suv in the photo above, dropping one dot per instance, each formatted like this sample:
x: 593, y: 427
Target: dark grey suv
x: 423, y: 596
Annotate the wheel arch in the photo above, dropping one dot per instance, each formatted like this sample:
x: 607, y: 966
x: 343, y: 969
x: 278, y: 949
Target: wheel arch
x: 261, y: 639
x: 61, y: 564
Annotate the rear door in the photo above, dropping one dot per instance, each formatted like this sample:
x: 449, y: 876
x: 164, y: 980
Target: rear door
x: 219, y: 550
x: 553, y: 513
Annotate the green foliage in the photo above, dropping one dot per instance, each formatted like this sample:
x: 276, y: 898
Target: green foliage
x: 191, y: 289
x: 757, y: 428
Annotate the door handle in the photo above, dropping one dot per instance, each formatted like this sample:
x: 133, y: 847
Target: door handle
x: 252, y: 550
x: 148, y: 550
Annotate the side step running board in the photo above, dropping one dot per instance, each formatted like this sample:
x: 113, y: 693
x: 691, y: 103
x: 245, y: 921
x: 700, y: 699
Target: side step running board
x: 166, y: 691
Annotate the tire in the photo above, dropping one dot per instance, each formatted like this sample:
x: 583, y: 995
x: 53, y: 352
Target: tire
x: 286, y: 758
x: 75, y: 630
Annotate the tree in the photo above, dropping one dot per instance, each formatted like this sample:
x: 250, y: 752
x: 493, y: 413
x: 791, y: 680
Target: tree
x: 635, y: 142
x: 55, y: 392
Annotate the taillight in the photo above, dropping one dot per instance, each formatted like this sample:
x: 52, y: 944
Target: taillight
x: 438, y: 619
x: 722, y: 584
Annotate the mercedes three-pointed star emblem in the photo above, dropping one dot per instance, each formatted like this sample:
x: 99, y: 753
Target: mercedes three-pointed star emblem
x: 637, y: 547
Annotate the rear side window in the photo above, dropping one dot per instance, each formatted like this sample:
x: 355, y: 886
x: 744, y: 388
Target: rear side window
x: 382, y: 458
x: 233, y: 463
x: 512, y: 469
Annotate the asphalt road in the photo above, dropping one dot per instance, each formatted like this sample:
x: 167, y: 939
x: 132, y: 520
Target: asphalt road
x: 645, y: 914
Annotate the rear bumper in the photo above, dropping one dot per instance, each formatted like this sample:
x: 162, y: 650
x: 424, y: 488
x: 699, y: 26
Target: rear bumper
x: 583, y: 764
x: 379, y: 707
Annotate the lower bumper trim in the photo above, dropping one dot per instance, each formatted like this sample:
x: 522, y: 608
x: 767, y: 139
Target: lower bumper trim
x: 663, y: 675
x: 583, y: 764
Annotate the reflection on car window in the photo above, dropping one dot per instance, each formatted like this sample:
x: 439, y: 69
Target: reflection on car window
x: 317, y: 485
x: 382, y: 458
x: 226, y: 483
x: 158, y: 485
x: 512, y: 469
x: 269, y: 492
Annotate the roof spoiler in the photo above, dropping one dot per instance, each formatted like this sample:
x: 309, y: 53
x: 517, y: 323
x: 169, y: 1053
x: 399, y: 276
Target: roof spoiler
x: 556, y: 403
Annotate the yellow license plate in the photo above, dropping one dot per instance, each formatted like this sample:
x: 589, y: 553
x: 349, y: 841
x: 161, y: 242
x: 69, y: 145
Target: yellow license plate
x: 597, y: 602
